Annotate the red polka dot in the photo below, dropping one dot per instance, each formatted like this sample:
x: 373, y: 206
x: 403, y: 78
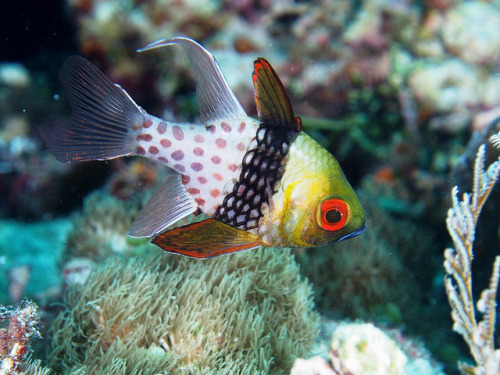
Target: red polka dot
x: 201, y: 202
x: 241, y: 146
x: 165, y: 143
x: 140, y: 151
x: 198, y: 151
x: 202, y: 180
x: 225, y: 127
x: 146, y: 124
x: 220, y: 143
x: 232, y: 167
x: 218, y: 176
x: 215, y: 159
x: 194, y: 191
x: 178, y: 133
x: 162, y: 127
x: 163, y: 159
x: 199, y: 138
x: 196, y: 167
x: 241, y: 127
x: 185, y: 179
x: 179, y: 168
x: 144, y: 137
x: 153, y: 150
x: 177, y: 155
x: 211, y: 129
x: 215, y: 193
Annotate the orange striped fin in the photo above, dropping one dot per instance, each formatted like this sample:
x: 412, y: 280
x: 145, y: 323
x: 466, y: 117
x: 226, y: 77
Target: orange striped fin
x: 206, y: 239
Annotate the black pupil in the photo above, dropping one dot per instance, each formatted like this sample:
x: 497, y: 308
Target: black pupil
x: 333, y: 216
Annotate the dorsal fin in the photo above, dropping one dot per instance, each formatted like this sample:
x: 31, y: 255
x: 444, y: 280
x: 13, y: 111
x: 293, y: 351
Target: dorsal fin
x: 216, y: 100
x: 272, y: 102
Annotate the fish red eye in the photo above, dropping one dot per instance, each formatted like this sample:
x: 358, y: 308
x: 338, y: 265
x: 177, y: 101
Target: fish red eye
x: 333, y: 214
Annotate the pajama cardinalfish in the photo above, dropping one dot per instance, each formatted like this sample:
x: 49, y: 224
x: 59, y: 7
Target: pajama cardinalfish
x: 261, y: 182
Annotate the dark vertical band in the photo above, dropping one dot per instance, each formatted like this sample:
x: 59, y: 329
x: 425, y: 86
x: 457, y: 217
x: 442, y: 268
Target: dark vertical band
x: 262, y: 170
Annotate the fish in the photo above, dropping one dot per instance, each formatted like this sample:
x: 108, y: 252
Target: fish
x: 260, y: 182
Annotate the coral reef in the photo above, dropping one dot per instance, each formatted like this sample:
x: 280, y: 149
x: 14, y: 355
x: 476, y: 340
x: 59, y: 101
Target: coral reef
x: 18, y: 277
x: 393, y: 88
x: 139, y: 175
x: 100, y: 230
x: 18, y: 326
x: 449, y: 86
x: 358, y: 279
x: 34, y: 185
x: 387, y: 70
x: 461, y: 222
x: 35, y: 247
x: 250, y: 313
x: 24, y: 173
x: 468, y: 31
x: 363, y: 349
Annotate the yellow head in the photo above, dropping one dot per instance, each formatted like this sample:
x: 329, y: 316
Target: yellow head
x: 314, y: 204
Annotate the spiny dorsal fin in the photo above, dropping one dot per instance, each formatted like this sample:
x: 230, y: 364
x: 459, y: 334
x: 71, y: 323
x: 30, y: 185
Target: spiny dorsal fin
x: 206, y: 239
x: 170, y: 203
x: 216, y: 100
x: 272, y: 102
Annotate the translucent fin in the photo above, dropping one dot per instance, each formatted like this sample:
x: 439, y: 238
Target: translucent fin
x: 206, y: 239
x: 272, y: 102
x: 170, y: 203
x: 216, y: 100
x: 100, y: 127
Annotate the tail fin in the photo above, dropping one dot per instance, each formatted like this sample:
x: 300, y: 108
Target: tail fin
x: 103, y: 120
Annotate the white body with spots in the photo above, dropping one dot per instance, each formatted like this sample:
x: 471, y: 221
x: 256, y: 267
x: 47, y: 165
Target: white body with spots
x: 208, y: 156
x: 265, y: 182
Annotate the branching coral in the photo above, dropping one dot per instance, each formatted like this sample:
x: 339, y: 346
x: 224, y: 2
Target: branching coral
x: 461, y: 222
x: 250, y: 313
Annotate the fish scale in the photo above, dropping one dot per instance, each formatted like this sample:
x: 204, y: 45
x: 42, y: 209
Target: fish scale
x: 208, y: 156
x: 261, y: 182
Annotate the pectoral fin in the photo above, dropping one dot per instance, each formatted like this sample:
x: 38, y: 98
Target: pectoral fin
x: 206, y: 239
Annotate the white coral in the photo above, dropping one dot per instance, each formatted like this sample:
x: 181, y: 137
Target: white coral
x: 461, y: 223
x: 365, y: 349
x: 471, y: 32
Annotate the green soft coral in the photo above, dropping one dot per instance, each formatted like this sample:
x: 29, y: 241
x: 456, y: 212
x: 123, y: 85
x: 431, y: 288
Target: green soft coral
x: 249, y: 313
x: 100, y: 229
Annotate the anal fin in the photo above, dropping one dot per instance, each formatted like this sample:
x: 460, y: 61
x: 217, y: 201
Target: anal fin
x: 206, y: 239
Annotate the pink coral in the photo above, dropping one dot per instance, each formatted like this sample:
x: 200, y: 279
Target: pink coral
x: 23, y: 322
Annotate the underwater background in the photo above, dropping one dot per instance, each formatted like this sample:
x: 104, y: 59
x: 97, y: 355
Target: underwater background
x: 402, y: 93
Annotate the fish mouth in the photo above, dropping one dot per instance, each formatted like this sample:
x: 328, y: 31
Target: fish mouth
x: 357, y: 232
